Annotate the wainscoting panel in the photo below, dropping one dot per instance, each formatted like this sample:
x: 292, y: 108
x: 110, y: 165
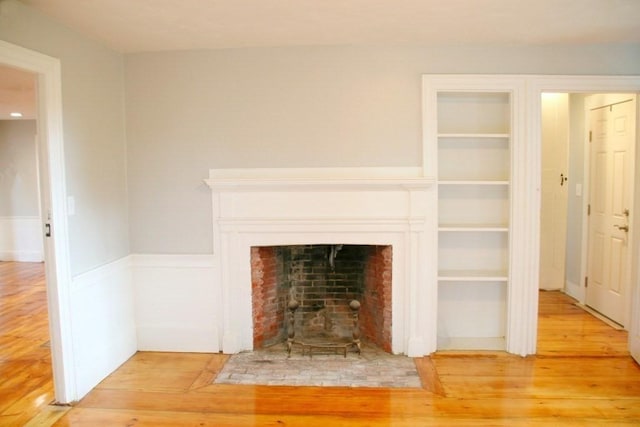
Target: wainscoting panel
x: 176, y: 303
x: 103, y: 322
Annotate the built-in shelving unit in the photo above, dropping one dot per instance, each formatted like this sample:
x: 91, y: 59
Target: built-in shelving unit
x: 473, y: 149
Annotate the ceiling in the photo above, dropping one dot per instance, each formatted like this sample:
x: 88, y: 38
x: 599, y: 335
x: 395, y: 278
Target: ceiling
x: 17, y: 93
x: 130, y: 26
x: 156, y: 25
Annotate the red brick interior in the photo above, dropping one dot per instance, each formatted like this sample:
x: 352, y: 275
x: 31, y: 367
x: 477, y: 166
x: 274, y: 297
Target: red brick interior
x: 324, y: 288
x: 375, y: 314
x: 268, y: 300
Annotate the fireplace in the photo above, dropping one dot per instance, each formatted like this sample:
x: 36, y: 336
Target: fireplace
x: 322, y: 281
x: 378, y: 212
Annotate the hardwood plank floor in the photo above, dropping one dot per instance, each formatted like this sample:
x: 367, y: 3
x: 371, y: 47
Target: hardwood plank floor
x: 26, y: 386
x: 582, y: 375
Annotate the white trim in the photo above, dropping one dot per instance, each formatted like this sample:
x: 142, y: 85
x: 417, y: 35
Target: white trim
x: 318, y: 173
x: 526, y: 172
x: 58, y: 261
x: 104, y: 332
x: 175, y: 302
x: 521, y: 298
x: 584, y: 229
x: 586, y: 84
x: 338, y: 179
x: 100, y: 274
x: 21, y: 256
x: 321, y: 206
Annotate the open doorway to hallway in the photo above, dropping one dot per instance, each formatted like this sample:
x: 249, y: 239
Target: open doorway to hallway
x: 25, y: 352
x: 588, y: 159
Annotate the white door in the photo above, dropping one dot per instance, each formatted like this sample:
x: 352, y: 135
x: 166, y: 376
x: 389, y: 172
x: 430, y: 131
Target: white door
x: 612, y: 130
x: 634, y: 322
x: 553, y: 213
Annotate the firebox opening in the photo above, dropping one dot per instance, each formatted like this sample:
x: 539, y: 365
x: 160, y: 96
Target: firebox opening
x: 324, y: 280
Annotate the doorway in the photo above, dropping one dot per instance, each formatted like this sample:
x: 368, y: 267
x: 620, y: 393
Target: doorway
x: 20, y: 212
x: 572, y: 186
x: 52, y: 208
x: 23, y: 289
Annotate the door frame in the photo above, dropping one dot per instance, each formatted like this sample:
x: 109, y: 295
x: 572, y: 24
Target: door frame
x: 56, y: 247
x: 589, y: 84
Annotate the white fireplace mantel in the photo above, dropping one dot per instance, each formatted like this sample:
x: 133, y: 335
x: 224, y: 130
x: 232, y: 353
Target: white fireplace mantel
x: 341, y: 179
x: 379, y: 206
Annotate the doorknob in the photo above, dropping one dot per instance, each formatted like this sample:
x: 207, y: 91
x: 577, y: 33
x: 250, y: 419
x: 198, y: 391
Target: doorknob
x: 622, y: 227
x: 563, y: 179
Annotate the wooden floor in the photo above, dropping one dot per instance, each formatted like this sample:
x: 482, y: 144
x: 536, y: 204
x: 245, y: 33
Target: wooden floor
x: 25, y: 361
x: 582, y: 375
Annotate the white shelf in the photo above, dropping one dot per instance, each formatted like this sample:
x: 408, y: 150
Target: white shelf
x: 474, y: 135
x: 474, y: 168
x: 471, y: 343
x: 473, y: 227
x: 472, y: 276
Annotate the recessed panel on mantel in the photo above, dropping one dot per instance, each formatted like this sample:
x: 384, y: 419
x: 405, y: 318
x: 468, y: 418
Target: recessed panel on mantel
x: 308, y: 204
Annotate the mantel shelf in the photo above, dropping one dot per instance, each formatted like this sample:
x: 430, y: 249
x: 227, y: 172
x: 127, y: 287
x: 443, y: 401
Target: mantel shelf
x: 472, y: 276
x: 330, y: 179
x: 474, y: 135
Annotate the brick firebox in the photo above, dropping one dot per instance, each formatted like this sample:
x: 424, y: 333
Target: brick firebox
x: 323, y: 285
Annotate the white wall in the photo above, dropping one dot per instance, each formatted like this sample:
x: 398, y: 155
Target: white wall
x: 20, y: 225
x: 21, y: 239
x: 18, y: 168
x: 191, y: 111
x: 100, y: 298
x: 94, y: 138
x: 575, y: 202
x: 553, y: 197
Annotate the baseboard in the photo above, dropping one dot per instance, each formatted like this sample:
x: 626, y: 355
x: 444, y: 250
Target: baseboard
x: 599, y: 316
x: 22, y: 256
x: 21, y: 239
x: 574, y: 290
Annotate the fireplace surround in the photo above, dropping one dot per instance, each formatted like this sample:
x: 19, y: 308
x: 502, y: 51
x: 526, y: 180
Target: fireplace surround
x: 384, y: 207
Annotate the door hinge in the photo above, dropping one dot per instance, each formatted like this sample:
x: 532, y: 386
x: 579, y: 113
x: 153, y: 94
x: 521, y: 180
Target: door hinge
x: 590, y: 136
x: 586, y: 282
x: 589, y: 209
